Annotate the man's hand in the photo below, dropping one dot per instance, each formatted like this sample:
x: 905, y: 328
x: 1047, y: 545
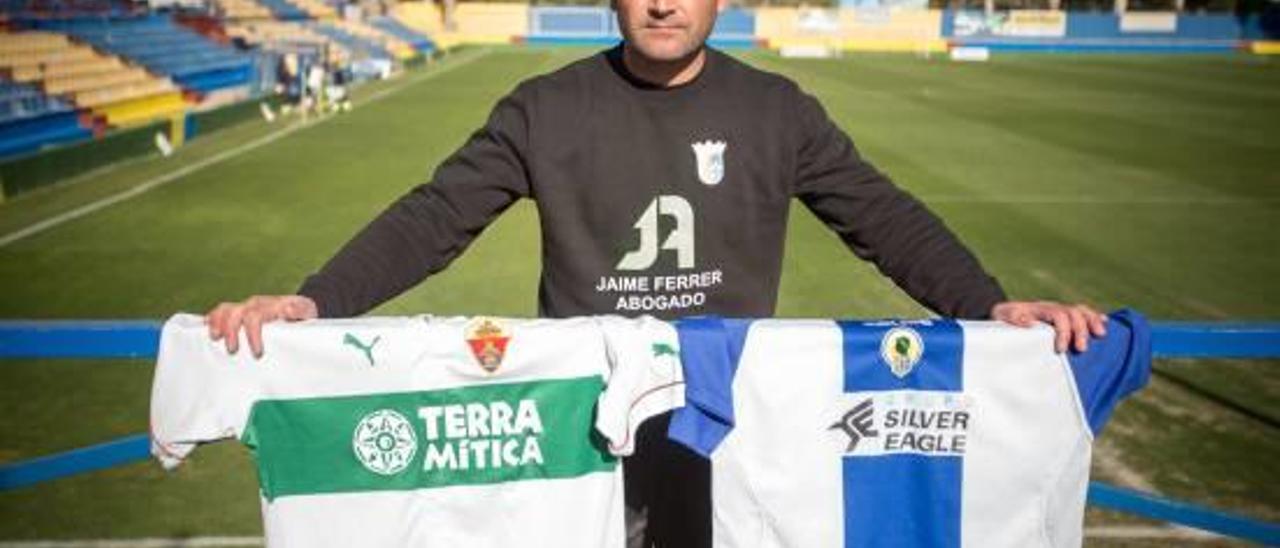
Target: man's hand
x: 1071, y: 322
x: 226, y: 319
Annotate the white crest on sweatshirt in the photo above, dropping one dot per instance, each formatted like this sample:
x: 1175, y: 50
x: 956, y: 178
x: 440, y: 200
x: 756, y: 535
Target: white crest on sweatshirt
x: 710, y: 157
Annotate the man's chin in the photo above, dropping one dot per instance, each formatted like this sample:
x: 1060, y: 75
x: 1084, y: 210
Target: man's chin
x: 665, y: 53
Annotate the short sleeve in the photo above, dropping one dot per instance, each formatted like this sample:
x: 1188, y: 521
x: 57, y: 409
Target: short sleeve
x: 710, y: 351
x: 1114, y: 367
x: 645, y: 378
x: 199, y: 393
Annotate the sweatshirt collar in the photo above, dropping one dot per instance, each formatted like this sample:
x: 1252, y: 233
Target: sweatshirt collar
x: 613, y: 58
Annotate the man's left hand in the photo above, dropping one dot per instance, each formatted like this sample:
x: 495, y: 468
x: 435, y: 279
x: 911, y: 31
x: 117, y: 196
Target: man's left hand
x: 1073, y: 323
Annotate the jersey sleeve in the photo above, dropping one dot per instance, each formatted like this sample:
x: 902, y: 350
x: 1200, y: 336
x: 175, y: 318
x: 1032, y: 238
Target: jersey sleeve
x: 422, y: 232
x: 645, y: 378
x: 1114, y: 367
x: 884, y: 224
x: 710, y: 349
x: 199, y: 393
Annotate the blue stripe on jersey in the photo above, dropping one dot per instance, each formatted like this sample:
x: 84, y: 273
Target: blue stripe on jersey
x: 939, y: 368
x: 710, y: 349
x: 903, y: 499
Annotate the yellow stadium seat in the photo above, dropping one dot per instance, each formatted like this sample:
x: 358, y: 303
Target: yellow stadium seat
x: 90, y: 79
x: 127, y: 91
x: 83, y: 67
x: 316, y: 9
x: 135, y: 112
x: 1265, y: 47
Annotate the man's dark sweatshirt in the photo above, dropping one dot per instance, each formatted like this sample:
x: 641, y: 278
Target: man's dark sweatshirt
x: 671, y: 202
x: 664, y: 201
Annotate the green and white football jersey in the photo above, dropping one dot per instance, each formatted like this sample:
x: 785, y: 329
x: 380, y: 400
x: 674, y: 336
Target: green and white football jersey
x: 421, y: 431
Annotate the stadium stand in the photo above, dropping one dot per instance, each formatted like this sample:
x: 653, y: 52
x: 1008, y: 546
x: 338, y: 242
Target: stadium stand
x: 597, y: 26
x: 398, y: 48
x: 475, y: 22
x: 206, y: 25
x: 283, y: 10
x: 170, y: 4
x: 65, y: 75
x: 29, y: 120
x: 284, y: 36
x: 77, y: 72
x: 571, y: 22
x: 1130, y: 32
x: 138, y: 111
x: 359, y: 47
x: 241, y: 9
x: 856, y: 29
x: 316, y: 9
x: 192, y: 61
x: 20, y: 9
x: 419, y: 42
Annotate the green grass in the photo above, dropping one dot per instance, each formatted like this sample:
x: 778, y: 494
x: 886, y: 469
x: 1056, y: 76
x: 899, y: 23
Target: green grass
x: 1151, y: 182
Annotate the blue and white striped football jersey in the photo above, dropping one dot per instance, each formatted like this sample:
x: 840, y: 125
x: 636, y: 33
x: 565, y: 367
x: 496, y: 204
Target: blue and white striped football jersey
x: 900, y: 433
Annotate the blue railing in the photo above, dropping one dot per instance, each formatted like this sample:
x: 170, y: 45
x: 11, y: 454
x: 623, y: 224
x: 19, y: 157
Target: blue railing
x: 140, y: 339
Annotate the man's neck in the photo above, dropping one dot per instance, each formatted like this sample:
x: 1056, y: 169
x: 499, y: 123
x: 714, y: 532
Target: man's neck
x: 664, y: 74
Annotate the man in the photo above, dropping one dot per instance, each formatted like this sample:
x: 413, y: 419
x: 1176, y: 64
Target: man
x: 663, y: 173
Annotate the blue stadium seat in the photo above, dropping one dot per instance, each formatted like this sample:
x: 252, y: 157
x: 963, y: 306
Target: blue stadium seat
x: 282, y: 9
x: 31, y: 119
x: 23, y: 10
x: 22, y: 101
x: 193, y: 61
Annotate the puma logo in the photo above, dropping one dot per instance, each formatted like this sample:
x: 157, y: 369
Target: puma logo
x: 664, y: 349
x: 367, y: 349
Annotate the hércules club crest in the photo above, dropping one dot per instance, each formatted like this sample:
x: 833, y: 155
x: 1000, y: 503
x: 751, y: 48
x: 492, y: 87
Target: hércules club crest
x: 488, y: 339
x: 901, y: 349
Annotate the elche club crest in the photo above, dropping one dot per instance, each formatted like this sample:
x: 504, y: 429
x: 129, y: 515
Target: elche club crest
x: 384, y: 442
x: 710, y: 157
x: 488, y: 340
x: 901, y: 348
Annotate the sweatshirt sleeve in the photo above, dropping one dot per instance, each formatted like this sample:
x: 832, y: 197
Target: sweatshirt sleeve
x: 423, y: 231
x: 884, y: 224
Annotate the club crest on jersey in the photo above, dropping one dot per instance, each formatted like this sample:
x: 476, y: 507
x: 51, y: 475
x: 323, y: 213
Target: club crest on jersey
x: 384, y: 442
x: 710, y: 157
x: 901, y: 348
x: 488, y: 340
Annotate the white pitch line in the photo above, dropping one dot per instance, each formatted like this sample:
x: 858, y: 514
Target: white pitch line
x: 138, y: 190
x: 134, y: 192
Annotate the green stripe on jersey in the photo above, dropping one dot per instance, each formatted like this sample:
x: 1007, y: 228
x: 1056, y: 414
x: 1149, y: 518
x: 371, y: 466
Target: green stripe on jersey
x: 414, y: 440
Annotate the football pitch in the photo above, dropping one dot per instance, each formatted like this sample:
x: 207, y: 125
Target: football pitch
x: 1149, y: 182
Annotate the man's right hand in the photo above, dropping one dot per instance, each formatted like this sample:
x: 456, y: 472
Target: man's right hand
x: 226, y: 319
